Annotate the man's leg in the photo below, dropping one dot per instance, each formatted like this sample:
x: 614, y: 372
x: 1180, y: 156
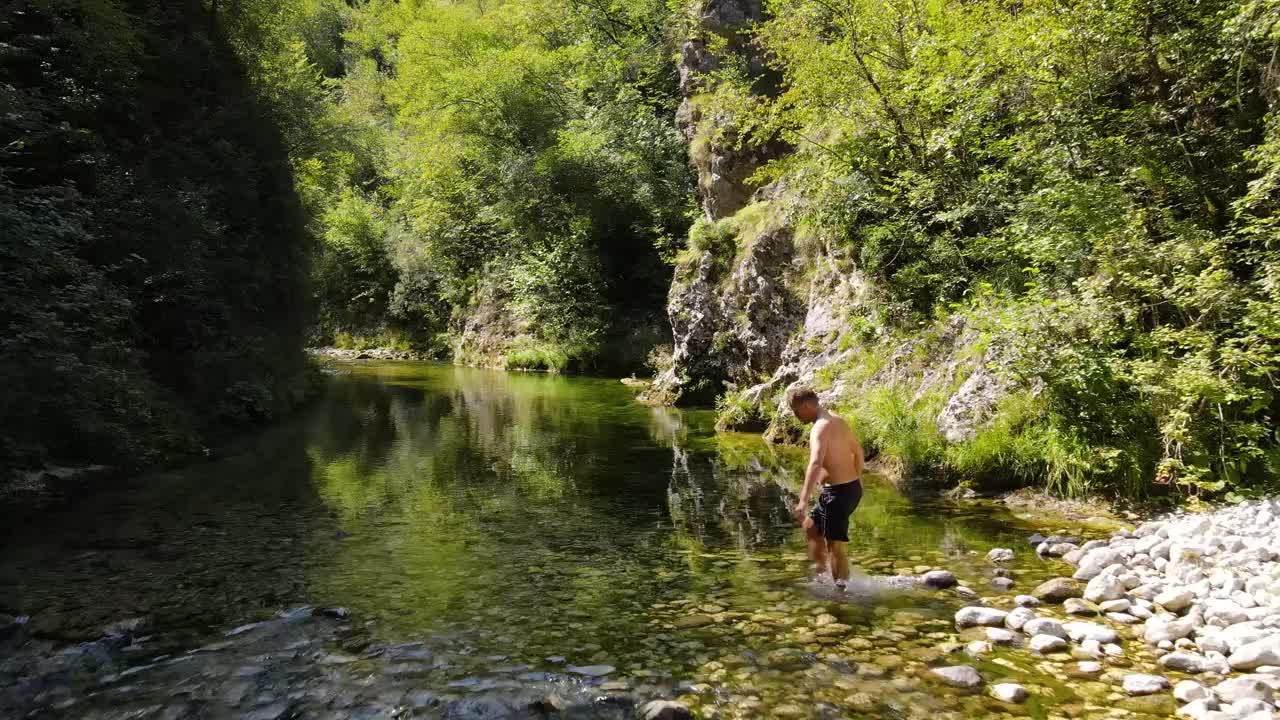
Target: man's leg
x: 839, y: 553
x: 817, y: 548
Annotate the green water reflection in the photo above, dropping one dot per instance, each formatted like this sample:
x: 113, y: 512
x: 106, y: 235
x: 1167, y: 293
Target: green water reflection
x: 519, y: 515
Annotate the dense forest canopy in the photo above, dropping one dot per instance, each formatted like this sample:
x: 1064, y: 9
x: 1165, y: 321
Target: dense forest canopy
x: 153, y: 260
x: 1093, y: 185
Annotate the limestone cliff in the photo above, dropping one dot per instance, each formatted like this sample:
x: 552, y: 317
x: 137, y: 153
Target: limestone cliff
x: 759, y: 302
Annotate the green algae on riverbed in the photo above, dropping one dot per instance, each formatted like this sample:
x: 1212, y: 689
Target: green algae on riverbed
x: 532, y: 516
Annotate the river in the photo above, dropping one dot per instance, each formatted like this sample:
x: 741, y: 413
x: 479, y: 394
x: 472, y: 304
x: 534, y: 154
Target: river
x: 527, y: 523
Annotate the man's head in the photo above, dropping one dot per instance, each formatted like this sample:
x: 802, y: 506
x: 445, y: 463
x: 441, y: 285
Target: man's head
x: 804, y: 403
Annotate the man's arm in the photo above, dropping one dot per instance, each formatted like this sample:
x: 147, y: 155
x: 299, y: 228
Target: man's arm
x: 813, y: 473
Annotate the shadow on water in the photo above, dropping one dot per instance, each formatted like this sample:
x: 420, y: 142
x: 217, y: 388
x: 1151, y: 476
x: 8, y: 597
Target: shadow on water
x: 518, y: 516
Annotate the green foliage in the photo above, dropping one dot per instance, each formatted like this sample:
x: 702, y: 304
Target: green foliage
x: 1093, y: 183
x: 154, y: 256
x: 527, y: 145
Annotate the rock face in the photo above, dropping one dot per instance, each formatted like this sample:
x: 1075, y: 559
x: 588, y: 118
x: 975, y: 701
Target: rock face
x: 750, y: 300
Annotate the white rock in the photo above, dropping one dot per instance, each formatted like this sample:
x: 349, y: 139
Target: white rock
x: 1045, y: 644
x: 1122, y: 618
x: 975, y: 615
x: 1189, y: 690
x: 1027, y: 601
x: 1174, y: 599
x: 1224, y: 613
x: 1045, y: 626
x: 1000, y: 636
x: 1158, y: 631
x: 1198, y: 709
x: 1249, y: 708
x: 963, y: 676
x: 978, y: 648
x: 1009, y: 692
x: 1000, y: 555
x: 1102, y: 588
x: 1113, y: 650
x: 1089, y: 667
x: 1186, y: 662
x: 1079, y: 631
x: 1244, y: 687
x: 1121, y: 605
x: 1018, y: 617
x: 1257, y: 653
x: 1093, y: 561
x: 1140, y: 684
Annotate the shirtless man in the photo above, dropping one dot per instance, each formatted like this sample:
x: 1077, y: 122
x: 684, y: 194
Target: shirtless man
x: 835, y: 460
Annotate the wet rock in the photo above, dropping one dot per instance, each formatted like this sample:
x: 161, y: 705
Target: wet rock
x: 961, y: 676
x: 939, y: 579
x: 664, y: 710
x: 1158, y: 705
x: 591, y: 670
x: 1142, y: 684
x: 1002, y: 584
x: 695, y: 620
x: 1000, y: 636
x: 1009, y: 692
x: 1000, y: 555
x: 1045, y: 644
x: 978, y: 648
x: 1026, y: 601
x: 1057, y: 590
x: 789, y: 659
x: 1089, y: 667
x: 1018, y: 617
x: 1079, y: 607
x: 1045, y: 626
x: 975, y: 616
x: 1079, y: 631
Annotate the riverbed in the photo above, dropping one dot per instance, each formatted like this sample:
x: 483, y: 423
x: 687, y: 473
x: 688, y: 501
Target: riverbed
x: 521, y: 526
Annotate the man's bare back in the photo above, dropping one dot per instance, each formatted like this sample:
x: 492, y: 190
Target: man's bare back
x: 842, y: 457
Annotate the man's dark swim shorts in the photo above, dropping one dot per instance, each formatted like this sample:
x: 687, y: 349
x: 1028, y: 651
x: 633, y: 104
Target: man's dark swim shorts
x: 835, y: 505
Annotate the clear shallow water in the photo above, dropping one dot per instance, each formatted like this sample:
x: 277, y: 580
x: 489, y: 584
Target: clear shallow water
x: 527, y: 516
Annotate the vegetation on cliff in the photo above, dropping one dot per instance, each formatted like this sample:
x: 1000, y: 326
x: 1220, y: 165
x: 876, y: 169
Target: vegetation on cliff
x: 513, y: 182
x: 1090, y: 187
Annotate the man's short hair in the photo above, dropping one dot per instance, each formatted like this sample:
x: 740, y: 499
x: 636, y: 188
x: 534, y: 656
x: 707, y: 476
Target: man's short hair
x: 801, y: 394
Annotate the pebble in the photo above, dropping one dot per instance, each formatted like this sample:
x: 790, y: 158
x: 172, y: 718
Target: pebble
x: 961, y: 676
x: 975, y: 616
x: 1045, y: 644
x: 1142, y: 684
x: 1009, y: 692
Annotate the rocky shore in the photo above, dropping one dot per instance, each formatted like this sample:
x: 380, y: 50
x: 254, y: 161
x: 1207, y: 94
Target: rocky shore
x: 304, y: 663
x: 1178, y: 616
x: 366, y: 354
x: 1192, y: 598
